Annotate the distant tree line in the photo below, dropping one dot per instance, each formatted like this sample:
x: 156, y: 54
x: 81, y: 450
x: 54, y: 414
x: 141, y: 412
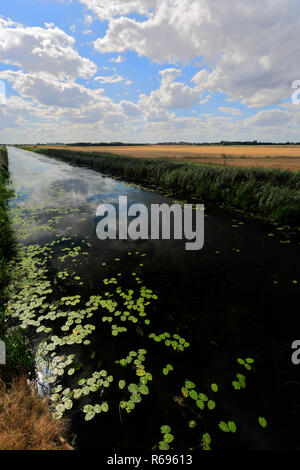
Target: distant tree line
x: 125, y: 144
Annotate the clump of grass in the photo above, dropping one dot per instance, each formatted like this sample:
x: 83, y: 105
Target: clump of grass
x: 25, y: 421
x: 19, y: 357
x: 273, y: 194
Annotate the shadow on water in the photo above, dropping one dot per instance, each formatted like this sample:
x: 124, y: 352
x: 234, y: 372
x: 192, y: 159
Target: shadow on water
x: 234, y: 298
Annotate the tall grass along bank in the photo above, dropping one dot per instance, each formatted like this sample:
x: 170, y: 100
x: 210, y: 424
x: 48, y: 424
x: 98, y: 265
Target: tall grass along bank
x: 272, y: 194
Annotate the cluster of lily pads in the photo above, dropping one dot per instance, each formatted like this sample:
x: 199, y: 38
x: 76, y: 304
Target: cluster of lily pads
x: 136, y: 393
x: 33, y: 303
x: 135, y: 360
x: 28, y: 221
x: 203, y: 402
x: 126, y: 305
x: 168, y: 368
x: 63, y: 400
x: 167, y: 438
x: 188, y: 390
x: 73, y: 252
x: 175, y: 341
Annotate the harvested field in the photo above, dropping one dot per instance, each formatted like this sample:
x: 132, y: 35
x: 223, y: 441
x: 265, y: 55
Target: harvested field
x: 284, y: 157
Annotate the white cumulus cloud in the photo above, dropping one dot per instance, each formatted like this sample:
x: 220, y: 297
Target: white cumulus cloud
x: 111, y: 79
x: 47, y: 49
x: 170, y: 94
x: 107, y: 9
x: 231, y: 111
x: 248, y: 49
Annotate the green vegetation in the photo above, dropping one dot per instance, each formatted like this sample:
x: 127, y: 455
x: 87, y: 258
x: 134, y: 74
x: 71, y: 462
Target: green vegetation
x: 6, y: 243
x: 270, y: 194
x: 167, y: 438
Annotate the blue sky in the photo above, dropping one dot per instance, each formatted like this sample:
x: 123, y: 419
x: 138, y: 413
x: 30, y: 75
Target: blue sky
x: 148, y: 70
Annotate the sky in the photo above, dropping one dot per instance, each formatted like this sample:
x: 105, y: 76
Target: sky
x: 149, y: 70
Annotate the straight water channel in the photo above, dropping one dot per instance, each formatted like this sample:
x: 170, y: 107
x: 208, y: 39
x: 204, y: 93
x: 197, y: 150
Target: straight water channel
x: 236, y: 298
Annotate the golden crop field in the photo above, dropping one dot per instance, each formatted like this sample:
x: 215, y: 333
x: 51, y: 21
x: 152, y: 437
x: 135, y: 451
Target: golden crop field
x: 284, y: 157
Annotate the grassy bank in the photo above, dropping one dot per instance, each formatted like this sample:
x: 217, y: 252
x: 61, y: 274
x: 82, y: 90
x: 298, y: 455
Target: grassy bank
x: 271, y: 194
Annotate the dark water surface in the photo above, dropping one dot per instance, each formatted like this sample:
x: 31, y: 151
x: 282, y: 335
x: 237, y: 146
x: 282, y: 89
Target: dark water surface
x: 234, y: 298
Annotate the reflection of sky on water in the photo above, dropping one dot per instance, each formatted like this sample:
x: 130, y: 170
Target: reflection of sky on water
x: 43, y: 183
x: 40, y: 183
x: 46, y: 188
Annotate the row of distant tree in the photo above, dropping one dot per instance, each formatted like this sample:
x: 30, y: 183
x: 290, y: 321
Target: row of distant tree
x: 223, y: 142
x: 119, y: 144
x: 94, y: 144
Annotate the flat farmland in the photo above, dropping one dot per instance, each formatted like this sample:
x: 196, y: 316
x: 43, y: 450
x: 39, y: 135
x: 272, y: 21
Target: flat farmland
x: 284, y: 157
